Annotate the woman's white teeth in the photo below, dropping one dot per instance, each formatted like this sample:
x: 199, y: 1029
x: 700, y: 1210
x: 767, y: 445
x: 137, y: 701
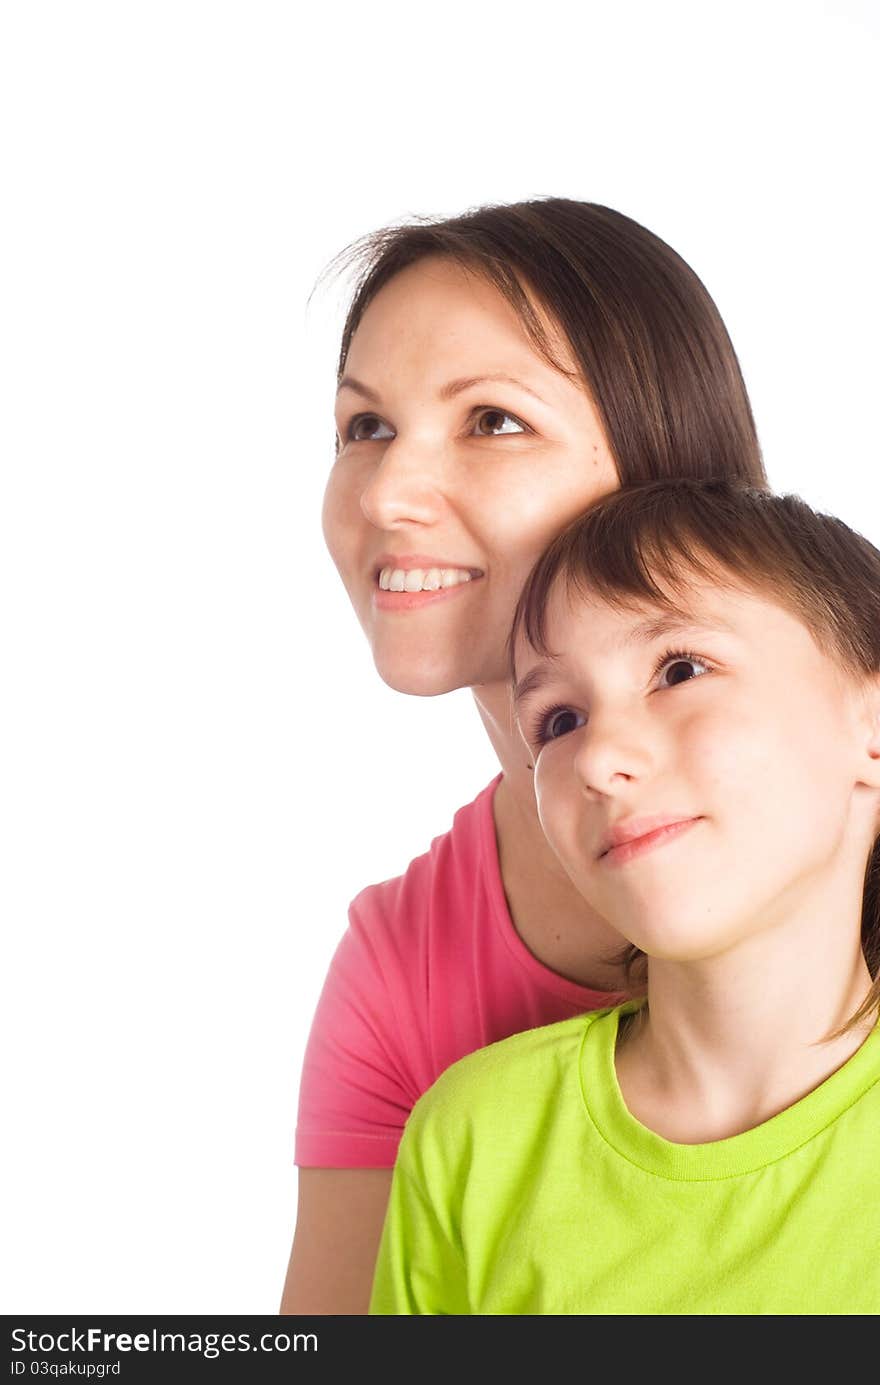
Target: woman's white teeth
x: 398, y: 579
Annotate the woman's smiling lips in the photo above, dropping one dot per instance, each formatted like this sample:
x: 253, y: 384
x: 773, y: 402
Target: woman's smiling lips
x: 635, y: 836
x: 409, y: 581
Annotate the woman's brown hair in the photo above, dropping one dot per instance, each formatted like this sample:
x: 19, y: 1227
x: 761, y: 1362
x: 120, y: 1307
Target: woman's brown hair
x: 648, y: 339
x: 648, y: 543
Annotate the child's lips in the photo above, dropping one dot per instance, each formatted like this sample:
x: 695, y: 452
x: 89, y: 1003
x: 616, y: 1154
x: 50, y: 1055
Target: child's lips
x: 635, y: 836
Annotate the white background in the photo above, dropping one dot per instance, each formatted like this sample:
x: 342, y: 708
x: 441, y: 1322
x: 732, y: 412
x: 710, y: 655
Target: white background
x: 199, y: 766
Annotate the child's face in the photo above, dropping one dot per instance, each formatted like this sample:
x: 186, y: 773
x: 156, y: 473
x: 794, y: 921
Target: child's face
x: 726, y: 746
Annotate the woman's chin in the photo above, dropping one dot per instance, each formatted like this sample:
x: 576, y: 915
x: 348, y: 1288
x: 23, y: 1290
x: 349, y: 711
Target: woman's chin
x: 425, y: 678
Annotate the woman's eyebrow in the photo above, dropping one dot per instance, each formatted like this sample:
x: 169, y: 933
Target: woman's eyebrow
x: 447, y: 391
x: 454, y: 387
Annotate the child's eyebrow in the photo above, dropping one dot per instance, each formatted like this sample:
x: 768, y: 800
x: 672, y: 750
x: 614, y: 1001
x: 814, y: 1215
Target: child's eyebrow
x: 657, y: 627
x: 675, y: 622
x: 533, y: 680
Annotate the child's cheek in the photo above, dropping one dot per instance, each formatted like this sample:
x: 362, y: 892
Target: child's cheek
x: 560, y: 806
x: 731, y: 756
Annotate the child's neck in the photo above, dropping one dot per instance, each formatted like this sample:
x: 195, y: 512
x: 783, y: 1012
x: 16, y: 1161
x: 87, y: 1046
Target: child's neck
x: 724, y: 1046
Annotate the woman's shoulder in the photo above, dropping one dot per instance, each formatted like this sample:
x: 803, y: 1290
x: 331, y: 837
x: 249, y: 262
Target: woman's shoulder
x: 458, y: 867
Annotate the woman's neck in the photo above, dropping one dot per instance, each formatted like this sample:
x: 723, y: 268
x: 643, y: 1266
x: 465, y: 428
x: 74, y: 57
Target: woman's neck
x: 552, y: 919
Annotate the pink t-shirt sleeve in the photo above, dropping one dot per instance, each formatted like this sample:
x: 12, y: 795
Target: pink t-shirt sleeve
x: 355, y: 1094
x: 429, y: 969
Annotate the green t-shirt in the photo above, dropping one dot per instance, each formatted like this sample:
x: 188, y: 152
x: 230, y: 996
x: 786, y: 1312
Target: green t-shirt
x: 524, y: 1186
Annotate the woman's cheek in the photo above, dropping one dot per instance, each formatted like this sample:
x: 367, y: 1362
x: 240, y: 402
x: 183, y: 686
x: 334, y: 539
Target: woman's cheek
x: 331, y: 513
x: 341, y: 516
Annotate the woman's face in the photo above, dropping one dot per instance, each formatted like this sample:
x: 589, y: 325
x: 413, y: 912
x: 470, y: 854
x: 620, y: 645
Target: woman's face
x: 462, y: 452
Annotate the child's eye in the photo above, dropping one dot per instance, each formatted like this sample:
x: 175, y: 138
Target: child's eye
x: 365, y: 428
x: 677, y: 666
x: 491, y: 423
x: 558, y: 721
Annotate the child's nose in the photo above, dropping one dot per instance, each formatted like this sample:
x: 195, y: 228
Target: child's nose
x: 614, y: 749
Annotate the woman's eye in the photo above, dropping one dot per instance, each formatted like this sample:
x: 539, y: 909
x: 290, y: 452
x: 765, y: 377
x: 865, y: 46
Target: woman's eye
x: 559, y: 723
x: 367, y: 428
x: 490, y: 423
x: 680, y: 668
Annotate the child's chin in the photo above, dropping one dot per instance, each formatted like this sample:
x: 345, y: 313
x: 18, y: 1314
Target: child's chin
x: 677, y: 942
x: 683, y: 952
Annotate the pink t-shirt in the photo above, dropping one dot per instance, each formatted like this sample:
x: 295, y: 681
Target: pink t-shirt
x: 429, y: 969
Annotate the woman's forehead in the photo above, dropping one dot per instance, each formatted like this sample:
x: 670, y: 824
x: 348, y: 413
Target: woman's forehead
x: 458, y: 311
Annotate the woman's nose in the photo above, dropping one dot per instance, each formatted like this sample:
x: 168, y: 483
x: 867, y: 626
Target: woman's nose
x: 405, y: 488
x: 614, y: 750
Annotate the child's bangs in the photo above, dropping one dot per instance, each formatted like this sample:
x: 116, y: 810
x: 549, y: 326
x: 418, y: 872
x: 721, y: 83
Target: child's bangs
x: 649, y: 574
x: 648, y: 546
